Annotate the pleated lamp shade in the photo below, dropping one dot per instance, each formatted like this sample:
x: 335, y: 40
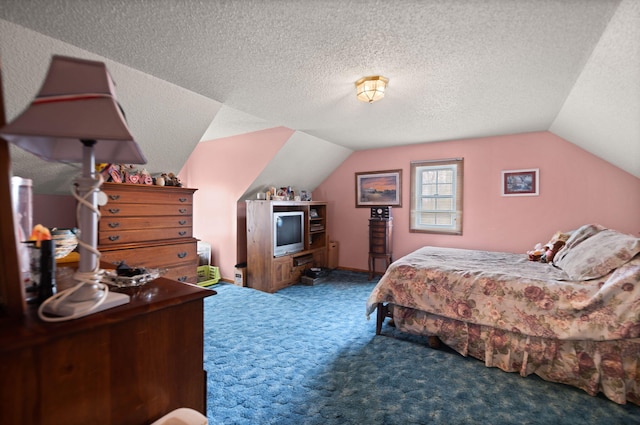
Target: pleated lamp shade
x: 76, y: 102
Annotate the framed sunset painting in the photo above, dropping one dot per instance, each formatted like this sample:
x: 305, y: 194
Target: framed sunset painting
x: 379, y: 188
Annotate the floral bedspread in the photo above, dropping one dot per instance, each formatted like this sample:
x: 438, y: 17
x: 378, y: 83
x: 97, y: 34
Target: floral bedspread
x: 506, y: 291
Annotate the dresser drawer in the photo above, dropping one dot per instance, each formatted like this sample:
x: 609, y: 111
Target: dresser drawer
x: 142, y: 235
x: 378, y: 248
x: 380, y: 236
x: 161, y: 256
x: 118, y: 193
x: 143, y: 210
x: 112, y: 223
x: 378, y: 225
x: 377, y: 232
x: 185, y: 273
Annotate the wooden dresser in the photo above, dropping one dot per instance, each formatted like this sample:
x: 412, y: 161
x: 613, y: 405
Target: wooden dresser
x: 380, y: 243
x: 131, y: 364
x: 149, y: 226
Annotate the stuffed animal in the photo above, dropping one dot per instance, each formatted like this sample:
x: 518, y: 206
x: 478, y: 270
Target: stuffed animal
x: 558, y: 240
x: 171, y: 180
x: 545, y: 253
x: 536, y: 253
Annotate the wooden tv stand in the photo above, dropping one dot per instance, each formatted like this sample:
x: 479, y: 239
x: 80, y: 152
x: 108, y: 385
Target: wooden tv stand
x: 268, y: 273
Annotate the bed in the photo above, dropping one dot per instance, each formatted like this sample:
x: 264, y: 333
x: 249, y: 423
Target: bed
x: 575, y: 320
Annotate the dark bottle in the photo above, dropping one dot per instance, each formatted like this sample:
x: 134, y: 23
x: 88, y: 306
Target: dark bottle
x: 47, y: 284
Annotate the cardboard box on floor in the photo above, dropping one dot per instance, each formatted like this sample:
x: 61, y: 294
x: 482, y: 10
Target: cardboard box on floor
x: 240, y: 276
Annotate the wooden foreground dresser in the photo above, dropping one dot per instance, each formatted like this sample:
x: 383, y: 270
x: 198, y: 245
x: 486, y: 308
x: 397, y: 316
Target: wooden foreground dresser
x: 149, y: 226
x: 127, y: 365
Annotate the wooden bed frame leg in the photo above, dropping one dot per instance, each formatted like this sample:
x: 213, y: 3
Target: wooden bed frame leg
x: 434, y: 342
x: 382, y: 311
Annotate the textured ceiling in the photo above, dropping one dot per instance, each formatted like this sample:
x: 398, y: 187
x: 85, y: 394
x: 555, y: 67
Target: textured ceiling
x: 457, y: 69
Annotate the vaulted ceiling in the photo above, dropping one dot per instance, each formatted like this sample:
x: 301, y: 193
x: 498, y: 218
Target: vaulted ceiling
x: 196, y: 70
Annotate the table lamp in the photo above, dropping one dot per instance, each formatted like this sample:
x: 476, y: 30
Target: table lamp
x: 75, y: 118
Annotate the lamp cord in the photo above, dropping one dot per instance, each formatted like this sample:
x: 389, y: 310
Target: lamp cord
x: 92, y: 278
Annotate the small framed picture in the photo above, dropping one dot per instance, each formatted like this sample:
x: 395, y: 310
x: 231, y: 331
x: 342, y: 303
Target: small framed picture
x: 521, y: 182
x: 378, y: 188
x: 305, y: 195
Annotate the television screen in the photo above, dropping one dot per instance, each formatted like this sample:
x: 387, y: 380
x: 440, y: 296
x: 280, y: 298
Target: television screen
x: 288, y: 232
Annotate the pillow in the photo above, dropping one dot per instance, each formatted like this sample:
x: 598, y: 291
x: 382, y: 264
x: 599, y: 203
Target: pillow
x: 577, y: 236
x: 595, y: 256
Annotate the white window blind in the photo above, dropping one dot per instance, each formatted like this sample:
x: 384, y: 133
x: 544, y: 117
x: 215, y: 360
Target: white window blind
x: 436, y: 196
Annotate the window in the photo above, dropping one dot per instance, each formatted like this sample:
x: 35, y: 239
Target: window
x: 436, y: 196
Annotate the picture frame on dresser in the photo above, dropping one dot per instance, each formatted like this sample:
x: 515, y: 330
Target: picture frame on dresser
x: 378, y: 188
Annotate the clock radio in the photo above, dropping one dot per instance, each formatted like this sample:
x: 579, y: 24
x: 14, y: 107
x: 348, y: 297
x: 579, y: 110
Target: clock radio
x: 381, y: 212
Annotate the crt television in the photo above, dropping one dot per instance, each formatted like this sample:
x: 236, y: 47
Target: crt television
x: 288, y: 232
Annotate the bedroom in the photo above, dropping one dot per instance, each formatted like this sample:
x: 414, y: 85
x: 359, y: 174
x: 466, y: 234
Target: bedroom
x: 235, y: 169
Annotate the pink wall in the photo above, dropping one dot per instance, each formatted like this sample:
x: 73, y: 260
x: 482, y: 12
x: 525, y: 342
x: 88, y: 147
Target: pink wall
x: 54, y: 211
x: 222, y: 170
x: 576, y: 188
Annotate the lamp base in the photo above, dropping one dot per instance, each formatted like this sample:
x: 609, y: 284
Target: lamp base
x: 73, y: 308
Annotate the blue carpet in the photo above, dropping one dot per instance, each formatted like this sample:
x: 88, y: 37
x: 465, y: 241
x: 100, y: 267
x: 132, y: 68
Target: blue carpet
x: 307, y: 355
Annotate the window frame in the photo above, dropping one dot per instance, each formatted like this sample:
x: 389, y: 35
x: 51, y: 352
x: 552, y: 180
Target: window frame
x: 416, y: 195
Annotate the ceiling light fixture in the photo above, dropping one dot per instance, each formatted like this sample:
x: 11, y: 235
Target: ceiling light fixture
x: 370, y: 89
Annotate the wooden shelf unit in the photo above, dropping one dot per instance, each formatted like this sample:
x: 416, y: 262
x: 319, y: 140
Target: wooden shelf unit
x: 268, y: 273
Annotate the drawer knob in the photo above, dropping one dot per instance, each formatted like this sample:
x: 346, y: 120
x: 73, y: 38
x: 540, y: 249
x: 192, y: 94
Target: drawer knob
x: 114, y: 224
x: 114, y: 210
x: 114, y: 197
x: 182, y: 199
x: 182, y: 210
x: 114, y: 238
x: 182, y: 254
x: 182, y: 279
x: 182, y: 222
x: 182, y: 232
